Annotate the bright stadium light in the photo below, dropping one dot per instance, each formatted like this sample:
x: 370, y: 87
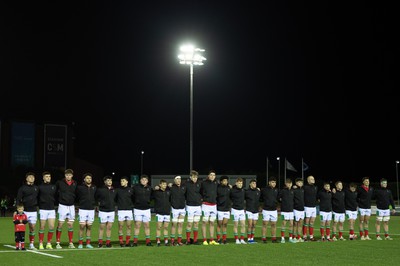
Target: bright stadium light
x: 190, y: 55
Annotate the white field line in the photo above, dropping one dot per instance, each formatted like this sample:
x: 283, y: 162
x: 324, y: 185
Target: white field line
x: 37, y: 252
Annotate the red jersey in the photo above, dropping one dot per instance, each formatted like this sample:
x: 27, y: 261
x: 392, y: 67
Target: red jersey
x: 20, y: 226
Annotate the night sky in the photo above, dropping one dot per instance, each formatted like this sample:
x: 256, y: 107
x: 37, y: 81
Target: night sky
x: 289, y: 79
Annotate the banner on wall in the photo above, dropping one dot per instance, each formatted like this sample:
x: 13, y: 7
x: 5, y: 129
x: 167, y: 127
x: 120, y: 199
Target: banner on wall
x: 55, y: 146
x: 22, y: 144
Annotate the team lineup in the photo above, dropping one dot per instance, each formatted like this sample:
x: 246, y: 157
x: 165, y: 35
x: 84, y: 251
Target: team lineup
x: 208, y: 205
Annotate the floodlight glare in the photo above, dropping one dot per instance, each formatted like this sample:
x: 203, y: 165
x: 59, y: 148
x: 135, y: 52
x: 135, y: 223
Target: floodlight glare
x: 191, y: 56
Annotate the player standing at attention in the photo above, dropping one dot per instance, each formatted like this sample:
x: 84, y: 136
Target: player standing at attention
x: 47, y: 212
x: 364, y: 193
x: 125, y: 211
x: 237, y: 211
x: 310, y: 209
x: 86, y: 199
x: 269, y: 198
x: 193, y: 207
x: 178, y: 192
x: 298, y: 209
x: 286, y: 197
x: 339, y: 210
x: 252, y: 198
x: 350, y: 202
x: 223, y: 208
x: 27, y: 196
x: 105, y: 196
x: 141, y: 201
x: 208, y: 192
x: 66, y: 193
x: 384, y: 200
x: 162, y: 209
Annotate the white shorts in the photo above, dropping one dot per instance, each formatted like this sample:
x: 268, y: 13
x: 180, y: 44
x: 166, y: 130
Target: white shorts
x: 298, y: 215
x: 338, y: 217
x: 351, y: 215
x: 66, y: 212
x: 310, y: 212
x: 223, y: 215
x: 193, y: 211
x: 383, y: 213
x: 106, y: 217
x: 270, y: 215
x: 238, y: 215
x: 252, y: 216
x: 163, y: 218
x: 142, y: 215
x: 209, y: 210
x: 32, y: 217
x: 287, y: 216
x: 325, y: 216
x: 364, y: 212
x: 125, y: 215
x: 47, y: 214
x: 176, y: 213
x: 86, y: 216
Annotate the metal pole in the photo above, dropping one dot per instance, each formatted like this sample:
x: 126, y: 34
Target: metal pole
x: 397, y: 182
x: 141, y: 162
x: 191, y: 118
x: 279, y: 172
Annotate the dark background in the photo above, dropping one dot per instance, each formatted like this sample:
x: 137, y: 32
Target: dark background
x: 300, y: 79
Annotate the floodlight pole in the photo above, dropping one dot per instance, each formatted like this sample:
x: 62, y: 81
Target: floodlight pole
x: 191, y: 119
x: 279, y: 172
x: 191, y: 56
x: 141, y: 162
x: 397, y: 183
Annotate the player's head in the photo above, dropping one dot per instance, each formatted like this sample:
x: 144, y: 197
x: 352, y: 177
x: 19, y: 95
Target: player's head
x: 124, y: 181
x: 144, y: 180
x: 87, y: 178
x: 223, y: 180
x: 163, y: 184
x: 253, y: 184
x: 365, y: 181
x: 194, y: 175
x: 178, y: 180
x: 383, y: 182
x: 30, y: 178
x: 239, y: 182
x: 310, y: 180
x: 211, y: 175
x: 272, y: 181
x: 288, y: 183
x: 299, y: 182
x: 353, y: 187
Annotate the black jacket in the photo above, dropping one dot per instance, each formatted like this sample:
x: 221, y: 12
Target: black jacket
x: 325, y: 200
x: 86, y: 197
x: 28, y: 195
x: 237, y: 198
x: 223, y: 198
x: 66, y: 193
x: 162, y: 203
x: 141, y: 196
x: 106, y: 198
x: 208, y: 191
x: 252, y: 197
x: 364, y: 197
x: 193, y: 196
x: 178, y: 200
x: 269, y: 198
x: 47, y: 196
x: 384, y: 198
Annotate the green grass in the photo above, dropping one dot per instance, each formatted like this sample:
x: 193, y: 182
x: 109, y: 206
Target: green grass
x: 310, y: 253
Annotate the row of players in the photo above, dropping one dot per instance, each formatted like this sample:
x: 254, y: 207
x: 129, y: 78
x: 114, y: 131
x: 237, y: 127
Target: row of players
x: 212, y: 201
